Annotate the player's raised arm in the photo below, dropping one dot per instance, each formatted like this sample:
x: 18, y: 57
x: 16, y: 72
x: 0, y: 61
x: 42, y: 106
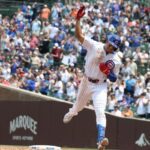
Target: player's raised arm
x: 78, y: 30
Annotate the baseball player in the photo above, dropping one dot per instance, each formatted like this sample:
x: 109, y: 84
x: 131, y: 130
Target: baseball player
x: 102, y: 63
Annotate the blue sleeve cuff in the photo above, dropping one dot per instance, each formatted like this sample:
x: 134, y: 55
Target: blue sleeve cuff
x: 112, y: 77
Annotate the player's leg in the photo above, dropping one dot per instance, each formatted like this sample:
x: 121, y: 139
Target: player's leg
x: 81, y: 101
x: 99, y: 96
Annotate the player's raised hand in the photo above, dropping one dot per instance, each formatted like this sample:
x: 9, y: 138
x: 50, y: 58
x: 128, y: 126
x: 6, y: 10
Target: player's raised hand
x: 80, y: 12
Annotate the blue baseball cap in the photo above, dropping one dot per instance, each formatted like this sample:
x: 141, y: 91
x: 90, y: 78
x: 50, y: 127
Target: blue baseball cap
x: 114, y: 40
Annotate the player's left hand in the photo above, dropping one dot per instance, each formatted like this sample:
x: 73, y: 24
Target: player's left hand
x: 80, y: 12
x: 104, y: 68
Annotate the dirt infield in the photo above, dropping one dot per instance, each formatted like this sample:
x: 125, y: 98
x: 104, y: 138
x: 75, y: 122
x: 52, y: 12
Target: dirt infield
x: 6, y: 147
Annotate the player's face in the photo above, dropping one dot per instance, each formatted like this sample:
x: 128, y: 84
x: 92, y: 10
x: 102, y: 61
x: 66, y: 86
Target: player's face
x: 109, y: 48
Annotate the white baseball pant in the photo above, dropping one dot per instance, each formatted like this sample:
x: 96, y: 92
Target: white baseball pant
x: 95, y: 91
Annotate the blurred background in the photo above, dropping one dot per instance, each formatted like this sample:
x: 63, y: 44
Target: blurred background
x: 39, y: 53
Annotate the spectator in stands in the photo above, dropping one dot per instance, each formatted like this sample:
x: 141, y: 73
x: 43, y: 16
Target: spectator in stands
x: 139, y: 88
x: 57, y: 54
x: 136, y: 55
x: 141, y: 106
x: 44, y: 87
x: 28, y: 14
x: 65, y: 75
x: 36, y: 11
x: 58, y: 88
x: 4, y: 41
x: 36, y: 27
x: 148, y: 103
x: 129, y: 98
x: 147, y: 79
x: 126, y: 70
x: 26, y: 62
x: 14, y: 66
x: 0, y: 19
x: 130, y: 85
x: 20, y: 14
x: 124, y: 102
x: 18, y: 41
x: 45, y: 13
x: 72, y: 60
x: 117, y: 111
x: 133, y: 67
x: 112, y: 102
x: 144, y: 58
x: 119, y: 91
x: 49, y: 60
x: 55, y: 11
x: 127, y: 112
x: 71, y: 88
x: 28, y: 83
x: 34, y: 42
x: 44, y: 44
x: 35, y: 60
x: 6, y: 72
x: 148, y: 93
x: 148, y: 109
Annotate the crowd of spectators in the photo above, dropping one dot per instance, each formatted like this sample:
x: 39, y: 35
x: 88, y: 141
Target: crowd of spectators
x: 39, y: 51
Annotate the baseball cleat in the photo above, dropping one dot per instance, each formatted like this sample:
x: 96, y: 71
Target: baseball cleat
x: 67, y: 118
x: 103, y: 144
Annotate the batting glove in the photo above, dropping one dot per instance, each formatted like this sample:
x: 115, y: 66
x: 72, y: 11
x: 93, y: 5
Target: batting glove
x: 80, y: 13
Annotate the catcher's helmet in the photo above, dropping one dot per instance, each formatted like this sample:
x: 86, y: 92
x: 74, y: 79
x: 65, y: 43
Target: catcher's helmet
x: 114, y: 40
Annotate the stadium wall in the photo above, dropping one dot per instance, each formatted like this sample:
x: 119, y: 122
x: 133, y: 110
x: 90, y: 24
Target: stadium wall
x: 27, y: 118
